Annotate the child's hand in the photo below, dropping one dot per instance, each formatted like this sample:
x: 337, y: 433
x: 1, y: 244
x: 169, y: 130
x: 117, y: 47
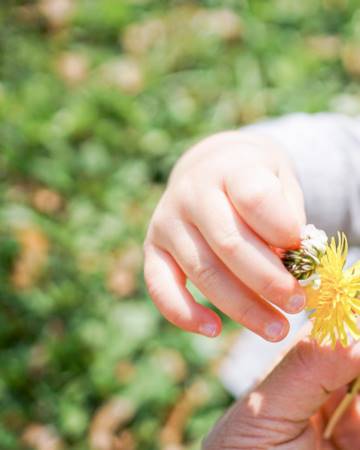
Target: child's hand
x: 229, y: 199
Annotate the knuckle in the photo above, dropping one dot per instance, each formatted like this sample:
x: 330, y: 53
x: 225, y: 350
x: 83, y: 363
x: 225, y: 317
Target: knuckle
x: 274, y: 288
x: 156, y: 227
x: 228, y: 242
x: 246, y: 314
x: 253, y: 199
x: 206, y: 275
x: 183, y: 196
x: 184, y: 188
x: 258, y: 188
x: 163, y: 228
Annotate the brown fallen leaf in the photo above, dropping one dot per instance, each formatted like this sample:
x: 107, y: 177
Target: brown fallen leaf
x: 125, y: 441
x: 56, y: 12
x: 350, y: 57
x: 138, y: 38
x: 131, y: 257
x: 38, y: 359
x: 108, y: 421
x: 18, y: 193
x: 121, y: 282
x: 122, y: 276
x: 46, y: 201
x: 72, y: 68
x: 172, y: 434
x: 125, y: 371
x: 42, y: 437
x: 222, y: 22
x: 326, y: 47
x: 32, y: 259
x: 27, y: 13
x: 172, y: 363
x: 125, y: 74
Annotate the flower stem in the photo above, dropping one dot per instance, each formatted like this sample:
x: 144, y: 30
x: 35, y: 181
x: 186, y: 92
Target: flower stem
x: 340, y: 410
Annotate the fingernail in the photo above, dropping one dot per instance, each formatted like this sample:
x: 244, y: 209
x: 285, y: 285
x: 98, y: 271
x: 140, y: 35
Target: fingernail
x: 296, y: 303
x: 208, y: 329
x: 275, y: 330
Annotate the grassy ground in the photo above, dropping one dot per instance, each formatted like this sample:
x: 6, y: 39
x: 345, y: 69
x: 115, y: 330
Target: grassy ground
x: 97, y: 101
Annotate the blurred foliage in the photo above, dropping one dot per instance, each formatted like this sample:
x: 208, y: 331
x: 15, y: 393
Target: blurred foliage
x: 97, y: 101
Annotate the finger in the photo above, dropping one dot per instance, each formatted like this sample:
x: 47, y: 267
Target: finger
x: 219, y: 285
x: 347, y: 433
x: 259, y: 197
x: 244, y: 253
x: 293, y: 192
x: 317, y: 424
x: 166, y: 284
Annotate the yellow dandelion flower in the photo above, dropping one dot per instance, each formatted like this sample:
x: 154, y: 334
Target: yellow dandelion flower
x: 336, y: 303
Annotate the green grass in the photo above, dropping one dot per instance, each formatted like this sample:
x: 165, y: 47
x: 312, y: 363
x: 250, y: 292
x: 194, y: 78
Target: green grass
x: 84, y: 155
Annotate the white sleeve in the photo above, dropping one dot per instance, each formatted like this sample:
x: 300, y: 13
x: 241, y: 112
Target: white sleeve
x: 325, y: 149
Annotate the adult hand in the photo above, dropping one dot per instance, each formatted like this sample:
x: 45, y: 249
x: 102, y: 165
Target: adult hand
x: 291, y: 408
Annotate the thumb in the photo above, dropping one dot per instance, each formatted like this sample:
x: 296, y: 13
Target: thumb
x: 305, y: 379
x: 279, y: 410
